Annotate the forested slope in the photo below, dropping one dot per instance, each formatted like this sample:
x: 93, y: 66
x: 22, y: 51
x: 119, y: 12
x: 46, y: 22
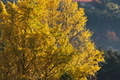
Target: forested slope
x: 104, y: 20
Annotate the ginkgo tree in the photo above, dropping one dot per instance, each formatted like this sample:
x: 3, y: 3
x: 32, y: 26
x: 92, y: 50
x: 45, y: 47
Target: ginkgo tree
x: 43, y: 39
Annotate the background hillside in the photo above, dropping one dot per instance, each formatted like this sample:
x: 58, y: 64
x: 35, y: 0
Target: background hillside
x: 104, y: 21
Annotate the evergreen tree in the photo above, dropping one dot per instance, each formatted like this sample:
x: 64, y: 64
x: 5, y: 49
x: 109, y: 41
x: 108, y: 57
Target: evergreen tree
x: 111, y: 67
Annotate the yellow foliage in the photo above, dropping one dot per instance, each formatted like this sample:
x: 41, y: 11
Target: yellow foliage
x: 45, y: 39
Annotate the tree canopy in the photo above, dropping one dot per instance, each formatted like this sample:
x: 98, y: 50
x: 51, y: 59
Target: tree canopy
x: 44, y: 39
